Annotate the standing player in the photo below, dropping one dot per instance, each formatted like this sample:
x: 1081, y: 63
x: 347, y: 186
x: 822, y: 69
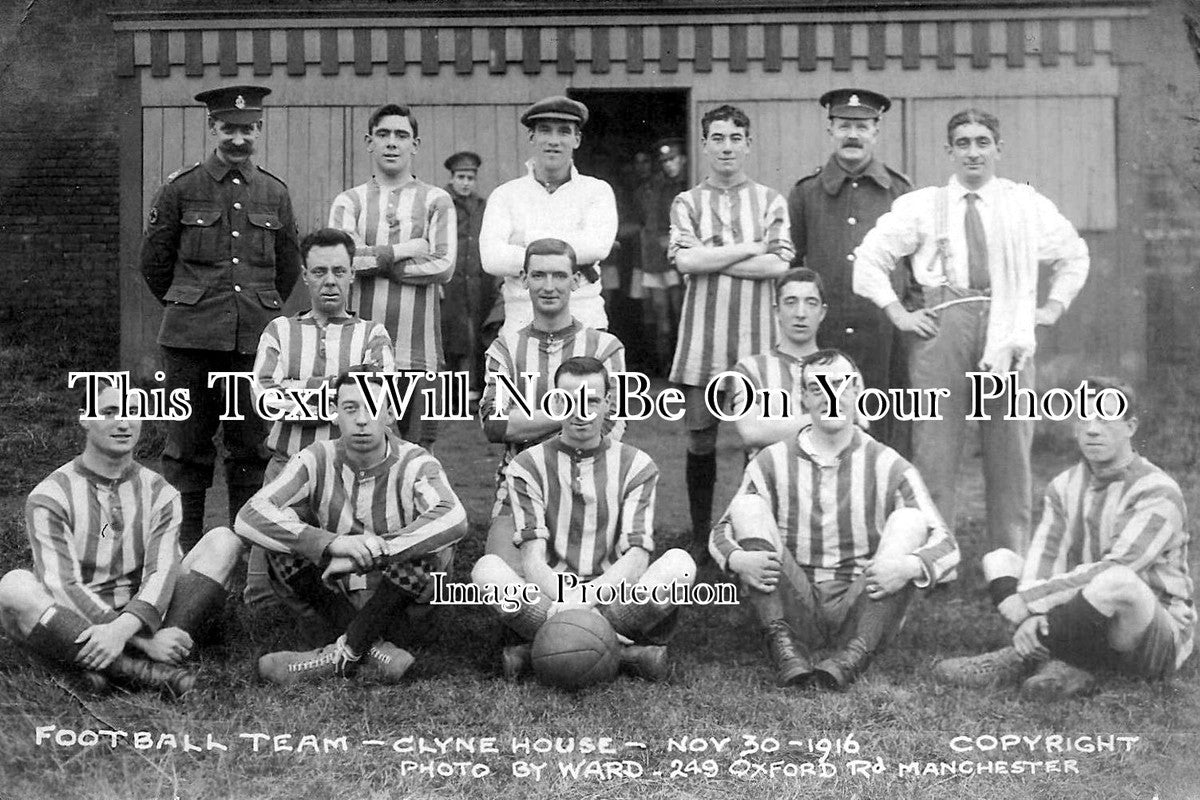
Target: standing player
x: 353, y: 528
x: 830, y: 212
x: 471, y: 293
x: 729, y: 238
x: 552, y: 200
x: 108, y: 593
x: 976, y: 245
x: 1105, y: 584
x: 220, y: 255
x: 306, y: 352
x: 772, y: 376
x: 584, y: 506
x: 551, y: 275
x: 406, y: 241
x: 830, y: 532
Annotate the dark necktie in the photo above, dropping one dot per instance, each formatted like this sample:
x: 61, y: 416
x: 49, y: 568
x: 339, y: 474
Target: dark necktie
x: 977, y: 254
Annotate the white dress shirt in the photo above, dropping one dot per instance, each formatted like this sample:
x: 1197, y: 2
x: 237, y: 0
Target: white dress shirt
x: 909, y: 229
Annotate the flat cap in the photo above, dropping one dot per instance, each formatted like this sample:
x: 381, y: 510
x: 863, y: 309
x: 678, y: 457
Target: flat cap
x: 241, y: 105
x: 855, y: 103
x: 556, y: 107
x: 462, y: 161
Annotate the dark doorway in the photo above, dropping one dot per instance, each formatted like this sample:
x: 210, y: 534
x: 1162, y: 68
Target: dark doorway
x: 621, y: 124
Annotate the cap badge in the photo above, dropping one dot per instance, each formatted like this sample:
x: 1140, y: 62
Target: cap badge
x: 853, y: 100
x: 240, y: 102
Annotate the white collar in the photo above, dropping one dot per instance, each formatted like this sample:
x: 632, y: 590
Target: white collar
x: 985, y: 192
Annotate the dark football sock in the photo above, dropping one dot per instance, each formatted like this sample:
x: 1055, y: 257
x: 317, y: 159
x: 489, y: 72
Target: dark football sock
x: 701, y: 477
x: 1078, y: 632
x: 1002, y: 588
x: 376, y: 616
x: 191, y: 525
x: 336, y: 609
x: 195, y: 605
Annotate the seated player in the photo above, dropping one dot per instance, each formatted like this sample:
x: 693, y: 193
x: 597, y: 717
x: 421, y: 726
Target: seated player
x: 1105, y: 584
x: 551, y: 274
x: 353, y: 528
x: 799, y: 310
x: 830, y: 533
x: 583, y: 504
x: 306, y: 351
x: 108, y: 593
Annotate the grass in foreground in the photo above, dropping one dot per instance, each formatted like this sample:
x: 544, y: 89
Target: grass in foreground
x: 723, y: 690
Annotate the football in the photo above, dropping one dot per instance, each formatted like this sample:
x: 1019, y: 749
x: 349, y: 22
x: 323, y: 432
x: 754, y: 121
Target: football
x: 574, y: 649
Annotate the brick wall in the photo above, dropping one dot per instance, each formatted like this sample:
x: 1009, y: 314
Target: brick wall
x: 58, y: 167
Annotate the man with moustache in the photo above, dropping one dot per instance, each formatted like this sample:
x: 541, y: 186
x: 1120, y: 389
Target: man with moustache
x: 552, y: 200
x: 830, y: 211
x: 406, y: 239
x: 220, y: 253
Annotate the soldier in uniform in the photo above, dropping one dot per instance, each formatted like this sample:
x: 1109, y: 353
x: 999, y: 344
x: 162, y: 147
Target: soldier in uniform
x: 658, y: 280
x: 471, y: 292
x: 221, y: 254
x: 830, y: 211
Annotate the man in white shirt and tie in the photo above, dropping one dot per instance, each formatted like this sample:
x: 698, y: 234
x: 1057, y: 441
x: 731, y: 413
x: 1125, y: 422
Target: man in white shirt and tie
x: 976, y: 246
x: 552, y: 200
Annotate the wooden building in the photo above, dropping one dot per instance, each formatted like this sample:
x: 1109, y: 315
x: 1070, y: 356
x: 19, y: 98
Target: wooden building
x: 1059, y: 75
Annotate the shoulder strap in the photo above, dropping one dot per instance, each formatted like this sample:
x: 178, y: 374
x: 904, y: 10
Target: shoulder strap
x: 941, y: 230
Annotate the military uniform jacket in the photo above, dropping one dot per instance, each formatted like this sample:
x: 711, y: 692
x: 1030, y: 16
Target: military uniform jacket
x: 469, y: 211
x: 831, y: 211
x: 221, y: 254
x: 655, y: 197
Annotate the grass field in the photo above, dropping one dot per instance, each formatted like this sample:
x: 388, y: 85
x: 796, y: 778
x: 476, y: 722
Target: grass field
x: 723, y: 688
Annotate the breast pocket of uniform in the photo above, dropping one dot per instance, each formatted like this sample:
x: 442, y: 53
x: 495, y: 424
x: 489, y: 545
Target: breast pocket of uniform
x: 199, y: 238
x: 270, y: 299
x: 264, y: 227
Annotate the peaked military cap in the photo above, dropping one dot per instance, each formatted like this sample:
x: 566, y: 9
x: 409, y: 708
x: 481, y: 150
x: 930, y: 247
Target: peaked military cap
x: 241, y: 105
x: 855, y: 103
x: 462, y: 161
x: 668, y: 148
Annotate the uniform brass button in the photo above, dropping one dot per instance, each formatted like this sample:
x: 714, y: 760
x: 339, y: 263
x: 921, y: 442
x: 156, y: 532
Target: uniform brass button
x: 852, y: 221
x: 236, y: 260
x: 238, y: 206
x: 854, y: 184
x: 238, y: 181
x: 849, y: 256
x: 237, y: 288
x: 236, y: 234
